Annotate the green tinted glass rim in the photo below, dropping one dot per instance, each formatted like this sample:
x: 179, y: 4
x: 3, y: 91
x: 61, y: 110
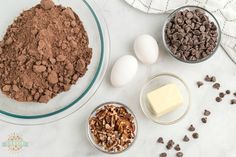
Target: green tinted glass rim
x: 87, y: 89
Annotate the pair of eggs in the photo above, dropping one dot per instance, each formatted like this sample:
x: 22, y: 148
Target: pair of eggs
x: 146, y: 50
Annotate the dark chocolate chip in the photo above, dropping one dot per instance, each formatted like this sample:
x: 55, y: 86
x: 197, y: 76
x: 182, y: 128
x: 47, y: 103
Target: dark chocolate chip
x: 189, y: 15
x: 216, y: 86
x: 233, y: 101
x: 160, y: 140
x: 195, y: 135
x: 177, y: 147
x: 207, y: 78
x: 199, y: 84
x: 218, y: 99
x: 170, y: 144
x: 202, y: 28
x: 185, y: 139
x: 206, y: 113
x: 179, y: 154
x: 213, y: 79
x: 204, y: 119
x: 227, y: 92
x: 235, y: 94
x: 163, y: 155
x: 221, y: 94
x: 191, y: 128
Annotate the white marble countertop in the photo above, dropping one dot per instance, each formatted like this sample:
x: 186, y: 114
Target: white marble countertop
x: 67, y: 137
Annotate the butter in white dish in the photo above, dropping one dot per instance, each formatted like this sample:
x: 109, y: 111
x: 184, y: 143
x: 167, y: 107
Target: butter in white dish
x: 165, y: 99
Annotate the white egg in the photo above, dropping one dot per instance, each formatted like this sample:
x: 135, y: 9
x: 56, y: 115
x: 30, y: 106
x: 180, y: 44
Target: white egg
x: 146, y: 49
x: 123, y: 70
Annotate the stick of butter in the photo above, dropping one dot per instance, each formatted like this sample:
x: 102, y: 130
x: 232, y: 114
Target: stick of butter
x: 165, y: 99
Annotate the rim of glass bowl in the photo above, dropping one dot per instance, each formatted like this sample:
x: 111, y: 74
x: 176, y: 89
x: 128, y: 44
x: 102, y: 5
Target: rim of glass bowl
x: 89, y: 134
x: 98, y: 78
x: 215, y: 21
x: 148, y: 82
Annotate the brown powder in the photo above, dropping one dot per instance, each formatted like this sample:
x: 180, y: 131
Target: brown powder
x: 43, y: 53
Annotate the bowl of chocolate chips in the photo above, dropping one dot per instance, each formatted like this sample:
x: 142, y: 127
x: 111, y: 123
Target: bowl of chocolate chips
x: 191, y: 34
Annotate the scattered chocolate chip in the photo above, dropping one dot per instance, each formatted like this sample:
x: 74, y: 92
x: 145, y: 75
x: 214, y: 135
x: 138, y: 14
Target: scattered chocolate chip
x: 179, y: 154
x: 160, y: 140
x: 177, y: 147
x: 163, y: 155
x: 170, y: 144
x: 221, y: 94
x: 204, y: 119
x: 199, y: 84
x: 213, y: 79
x: 233, y: 101
x: 216, y: 86
x: 227, y: 92
x: 235, y: 94
x: 191, y: 128
x: 185, y: 139
x: 206, y: 113
x: 218, y: 99
x: 195, y: 135
x: 208, y: 78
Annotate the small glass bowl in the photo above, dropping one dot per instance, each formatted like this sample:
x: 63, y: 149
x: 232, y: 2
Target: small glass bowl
x: 211, y: 18
x: 90, y: 135
x: 157, y: 82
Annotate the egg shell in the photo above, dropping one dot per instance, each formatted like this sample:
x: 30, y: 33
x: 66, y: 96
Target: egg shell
x: 146, y: 49
x: 124, y: 70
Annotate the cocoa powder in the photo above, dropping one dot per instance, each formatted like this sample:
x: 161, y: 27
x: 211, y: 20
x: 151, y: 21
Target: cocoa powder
x: 43, y: 53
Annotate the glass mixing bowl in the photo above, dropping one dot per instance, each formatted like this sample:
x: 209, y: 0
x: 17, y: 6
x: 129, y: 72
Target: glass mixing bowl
x: 67, y: 102
x: 211, y: 18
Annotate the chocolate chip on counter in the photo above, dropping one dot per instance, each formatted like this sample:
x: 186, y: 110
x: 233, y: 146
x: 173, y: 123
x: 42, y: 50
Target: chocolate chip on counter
x: 185, y: 139
x: 213, y: 79
x: 179, y: 154
x: 199, y: 84
x: 218, y: 99
x: 227, y: 92
x: 233, y: 101
x: 204, y: 120
x: 170, y: 144
x: 208, y: 78
x: 160, y: 140
x: 195, y: 135
x: 216, y: 86
x: 221, y: 94
x: 163, y: 155
x: 191, y: 128
x: 235, y: 94
x: 206, y: 113
x: 177, y: 147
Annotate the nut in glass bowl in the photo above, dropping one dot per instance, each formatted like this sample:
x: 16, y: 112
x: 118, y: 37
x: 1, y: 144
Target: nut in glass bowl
x: 191, y: 34
x: 112, y: 128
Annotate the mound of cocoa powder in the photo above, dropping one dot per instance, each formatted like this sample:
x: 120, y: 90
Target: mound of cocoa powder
x: 43, y: 53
